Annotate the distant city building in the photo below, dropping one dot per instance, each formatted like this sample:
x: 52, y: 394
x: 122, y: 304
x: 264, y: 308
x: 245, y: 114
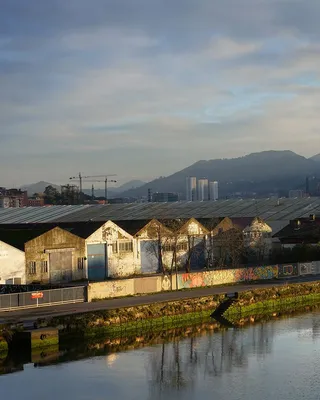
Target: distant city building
x: 13, y: 198
x: 159, y: 197
x: 191, y: 188
x: 203, y: 189
x: 293, y: 194
x: 214, y: 191
x: 36, y: 202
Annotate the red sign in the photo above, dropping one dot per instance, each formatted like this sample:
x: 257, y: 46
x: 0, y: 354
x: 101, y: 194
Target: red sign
x: 37, y: 295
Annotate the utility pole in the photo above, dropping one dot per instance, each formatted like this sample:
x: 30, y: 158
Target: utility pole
x: 92, y: 192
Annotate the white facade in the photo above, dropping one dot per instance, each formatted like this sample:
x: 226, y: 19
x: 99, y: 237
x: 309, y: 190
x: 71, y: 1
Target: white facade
x: 258, y: 238
x: 214, y: 191
x: 203, y: 189
x: 4, y: 202
x: 191, y: 188
x: 122, y: 254
x: 12, y: 265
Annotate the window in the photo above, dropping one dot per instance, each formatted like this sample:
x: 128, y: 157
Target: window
x: 179, y: 247
x: 44, y: 267
x: 32, y: 268
x: 80, y: 262
x: 125, y: 247
x: 114, y: 247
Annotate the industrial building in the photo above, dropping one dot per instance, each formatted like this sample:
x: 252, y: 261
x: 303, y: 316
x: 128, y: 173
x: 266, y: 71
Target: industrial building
x: 62, y: 243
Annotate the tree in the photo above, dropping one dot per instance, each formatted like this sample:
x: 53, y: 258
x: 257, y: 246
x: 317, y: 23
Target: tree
x: 52, y: 195
x: 231, y: 249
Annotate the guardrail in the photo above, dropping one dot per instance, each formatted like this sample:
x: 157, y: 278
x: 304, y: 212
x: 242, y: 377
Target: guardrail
x: 17, y: 301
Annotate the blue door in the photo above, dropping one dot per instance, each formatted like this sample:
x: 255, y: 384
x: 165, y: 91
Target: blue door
x: 149, y: 256
x: 97, y: 262
x: 198, y: 254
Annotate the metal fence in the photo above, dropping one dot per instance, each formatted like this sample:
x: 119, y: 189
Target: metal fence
x: 15, y: 301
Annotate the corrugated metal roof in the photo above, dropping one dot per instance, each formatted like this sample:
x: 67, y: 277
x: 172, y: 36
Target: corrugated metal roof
x: 267, y: 209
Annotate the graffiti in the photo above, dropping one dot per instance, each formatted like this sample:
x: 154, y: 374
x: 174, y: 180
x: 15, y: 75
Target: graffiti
x: 166, y: 284
x: 288, y: 270
x: 256, y: 273
x: 219, y: 277
x: 306, y: 268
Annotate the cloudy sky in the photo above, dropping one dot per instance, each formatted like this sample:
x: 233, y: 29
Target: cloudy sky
x: 143, y: 88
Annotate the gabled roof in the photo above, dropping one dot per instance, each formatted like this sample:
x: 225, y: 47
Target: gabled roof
x: 210, y: 223
x: 242, y: 222
x: 133, y: 226
x: 18, y: 237
x: 81, y: 229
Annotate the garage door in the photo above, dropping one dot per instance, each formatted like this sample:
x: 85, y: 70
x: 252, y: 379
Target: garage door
x: 97, y: 262
x: 60, y: 266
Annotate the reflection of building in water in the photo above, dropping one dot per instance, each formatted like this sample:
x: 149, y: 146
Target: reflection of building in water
x: 174, y: 366
x: 111, y: 359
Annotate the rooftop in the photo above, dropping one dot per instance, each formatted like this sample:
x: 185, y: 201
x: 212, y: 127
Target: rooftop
x: 268, y: 209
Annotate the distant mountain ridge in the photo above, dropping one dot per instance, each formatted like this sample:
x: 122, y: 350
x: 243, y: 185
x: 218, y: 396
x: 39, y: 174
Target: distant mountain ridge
x: 263, y: 173
x: 316, y: 158
x: 38, y: 187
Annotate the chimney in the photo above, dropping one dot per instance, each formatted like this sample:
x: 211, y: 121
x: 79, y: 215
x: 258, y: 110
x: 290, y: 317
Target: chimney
x: 296, y: 224
x: 149, y: 195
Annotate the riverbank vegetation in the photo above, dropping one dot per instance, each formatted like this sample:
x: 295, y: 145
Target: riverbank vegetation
x: 172, y: 314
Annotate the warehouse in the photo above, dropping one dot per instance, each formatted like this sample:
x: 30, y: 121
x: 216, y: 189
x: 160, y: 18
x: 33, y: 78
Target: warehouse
x: 12, y: 262
x: 51, y: 255
x: 110, y: 251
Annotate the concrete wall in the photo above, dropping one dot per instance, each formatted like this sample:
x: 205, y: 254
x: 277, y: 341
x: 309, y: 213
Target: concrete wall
x: 125, y: 287
x: 56, y: 239
x: 118, y: 264
x: 12, y: 264
x: 133, y: 286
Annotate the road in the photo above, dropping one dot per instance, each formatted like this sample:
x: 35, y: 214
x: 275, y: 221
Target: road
x: 30, y: 315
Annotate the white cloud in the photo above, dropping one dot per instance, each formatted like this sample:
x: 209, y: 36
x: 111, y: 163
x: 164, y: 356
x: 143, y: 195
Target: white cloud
x: 121, y: 96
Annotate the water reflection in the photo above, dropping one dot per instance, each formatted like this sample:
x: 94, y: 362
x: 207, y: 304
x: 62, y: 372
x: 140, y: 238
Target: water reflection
x: 256, y: 361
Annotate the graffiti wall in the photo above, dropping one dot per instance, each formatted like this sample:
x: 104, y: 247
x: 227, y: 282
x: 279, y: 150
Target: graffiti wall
x: 305, y: 268
x: 288, y: 270
x: 220, y: 277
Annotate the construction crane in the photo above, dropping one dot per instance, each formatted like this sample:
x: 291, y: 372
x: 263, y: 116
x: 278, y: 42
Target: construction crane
x: 106, y: 180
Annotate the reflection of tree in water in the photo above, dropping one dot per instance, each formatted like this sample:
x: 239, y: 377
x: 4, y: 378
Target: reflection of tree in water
x: 173, y: 367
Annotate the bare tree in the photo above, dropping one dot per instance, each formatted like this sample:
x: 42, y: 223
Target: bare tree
x: 231, y: 248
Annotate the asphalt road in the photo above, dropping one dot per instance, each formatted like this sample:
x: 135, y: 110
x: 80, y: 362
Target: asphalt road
x: 30, y: 315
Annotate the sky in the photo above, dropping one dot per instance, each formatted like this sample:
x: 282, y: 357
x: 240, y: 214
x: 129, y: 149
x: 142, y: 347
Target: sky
x: 144, y: 88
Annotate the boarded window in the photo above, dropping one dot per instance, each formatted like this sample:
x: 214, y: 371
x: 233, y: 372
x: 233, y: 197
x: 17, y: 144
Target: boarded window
x: 32, y: 268
x: 44, y: 267
x: 80, y: 262
x: 114, y: 247
x: 126, y: 247
x: 179, y: 247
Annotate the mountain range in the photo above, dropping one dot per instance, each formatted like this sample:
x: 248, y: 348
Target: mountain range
x: 39, y: 187
x: 261, y: 173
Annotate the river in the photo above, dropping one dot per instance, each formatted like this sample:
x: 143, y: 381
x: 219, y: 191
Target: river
x: 278, y: 359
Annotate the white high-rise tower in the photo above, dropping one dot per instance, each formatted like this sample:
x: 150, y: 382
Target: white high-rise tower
x: 203, y: 189
x: 214, y: 190
x: 191, y: 188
